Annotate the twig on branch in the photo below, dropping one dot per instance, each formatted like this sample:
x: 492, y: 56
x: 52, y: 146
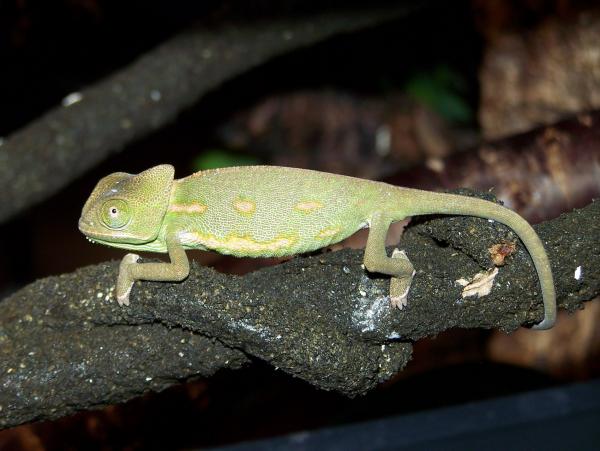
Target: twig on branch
x: 43, y: 157
x: 64, y: 346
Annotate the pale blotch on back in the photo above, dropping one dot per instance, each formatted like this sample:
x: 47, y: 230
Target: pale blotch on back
x: 244, y: 206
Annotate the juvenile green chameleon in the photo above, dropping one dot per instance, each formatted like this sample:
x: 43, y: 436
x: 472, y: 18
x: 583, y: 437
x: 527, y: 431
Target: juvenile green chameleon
x: 264, y: 211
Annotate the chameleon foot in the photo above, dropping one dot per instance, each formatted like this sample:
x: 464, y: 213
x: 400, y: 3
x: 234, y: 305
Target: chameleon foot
x: 400, y: 286
x: 125, y: 282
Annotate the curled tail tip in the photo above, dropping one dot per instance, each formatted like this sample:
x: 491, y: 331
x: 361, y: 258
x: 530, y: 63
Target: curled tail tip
x: 547, y: 322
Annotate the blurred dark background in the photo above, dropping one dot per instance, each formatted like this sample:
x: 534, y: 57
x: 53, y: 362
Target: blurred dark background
x: 372, y: 104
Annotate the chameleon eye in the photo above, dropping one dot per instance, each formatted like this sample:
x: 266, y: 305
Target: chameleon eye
x: 115, y: 214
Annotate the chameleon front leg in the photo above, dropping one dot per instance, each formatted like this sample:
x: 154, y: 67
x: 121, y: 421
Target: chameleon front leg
x: 130, y: 270
x: 398, y: 265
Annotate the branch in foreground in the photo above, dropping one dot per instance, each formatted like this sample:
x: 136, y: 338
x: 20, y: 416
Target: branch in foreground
x: 320, y: 318
x: 51, y: 370
x: 38, y: 160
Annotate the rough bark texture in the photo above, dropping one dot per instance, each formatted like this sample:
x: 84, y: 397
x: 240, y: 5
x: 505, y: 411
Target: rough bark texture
x: 538, y: 76
x: 44, y: 156
x: 65, y: 347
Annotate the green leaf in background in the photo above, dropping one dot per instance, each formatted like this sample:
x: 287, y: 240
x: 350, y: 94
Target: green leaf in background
x: 443, y: 91
x: 217, y: 158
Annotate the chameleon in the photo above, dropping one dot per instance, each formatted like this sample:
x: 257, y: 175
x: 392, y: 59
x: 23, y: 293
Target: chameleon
x: 272, y: 211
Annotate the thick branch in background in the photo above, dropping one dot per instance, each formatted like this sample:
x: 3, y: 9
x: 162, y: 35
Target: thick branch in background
x: 540, y: 75
x: 320, y: 318
x: 540, y: 173
x: 343, y: 132
x: 43, y: 157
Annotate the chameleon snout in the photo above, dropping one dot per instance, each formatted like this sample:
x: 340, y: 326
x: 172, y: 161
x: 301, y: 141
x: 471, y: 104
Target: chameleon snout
x: 84, y: 226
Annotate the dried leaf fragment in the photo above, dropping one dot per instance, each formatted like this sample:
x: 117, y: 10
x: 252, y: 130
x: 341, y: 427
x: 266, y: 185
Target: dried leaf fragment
x: 479, y: 285
x: 500, y: 251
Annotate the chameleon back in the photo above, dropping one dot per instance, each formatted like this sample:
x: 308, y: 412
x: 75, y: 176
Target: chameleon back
x: 262, y: 211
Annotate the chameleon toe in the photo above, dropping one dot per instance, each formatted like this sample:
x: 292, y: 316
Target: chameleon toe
x: 124, y: 281
x: 400, y: 286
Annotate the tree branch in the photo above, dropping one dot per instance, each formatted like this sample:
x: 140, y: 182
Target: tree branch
x: 44, y: 156
x: 540, y: 173
x: 64, y: 346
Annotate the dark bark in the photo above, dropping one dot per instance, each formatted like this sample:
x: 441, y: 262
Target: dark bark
x: 44, y: 156
x: 65, y: 347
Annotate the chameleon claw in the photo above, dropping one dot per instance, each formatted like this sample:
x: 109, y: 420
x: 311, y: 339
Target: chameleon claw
x: 123, y: 298
x: 124, y: 282
x: 400, y: 301
x: 400, y: 286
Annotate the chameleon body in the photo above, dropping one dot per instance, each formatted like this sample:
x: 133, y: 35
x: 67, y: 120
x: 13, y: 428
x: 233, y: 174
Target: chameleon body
x: 264, y: 211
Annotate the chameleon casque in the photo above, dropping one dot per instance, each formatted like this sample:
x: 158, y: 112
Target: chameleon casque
x: 264, y: 211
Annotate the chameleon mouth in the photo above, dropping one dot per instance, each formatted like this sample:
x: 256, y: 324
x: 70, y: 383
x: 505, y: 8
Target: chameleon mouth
x: 91, y: 235
x: 113, y: 238
x: 95, y: 237
x: 86, y: 228
x: 99, y: 239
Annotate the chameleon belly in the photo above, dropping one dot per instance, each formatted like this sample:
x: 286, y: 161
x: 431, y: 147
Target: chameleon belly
x: 266, y: 211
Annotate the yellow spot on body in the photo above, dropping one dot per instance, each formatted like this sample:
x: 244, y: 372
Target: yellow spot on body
x: 194, y: 207
x: 243, y: 244
x: 308, y: 206
x: 244, y: 206
x: 328, y: 232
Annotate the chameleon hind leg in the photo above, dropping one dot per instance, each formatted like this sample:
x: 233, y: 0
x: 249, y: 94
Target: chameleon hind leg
x: 398, y: 265
x: 130, y: 270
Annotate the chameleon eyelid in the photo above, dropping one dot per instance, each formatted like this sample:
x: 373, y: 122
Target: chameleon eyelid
x: 114, y: 212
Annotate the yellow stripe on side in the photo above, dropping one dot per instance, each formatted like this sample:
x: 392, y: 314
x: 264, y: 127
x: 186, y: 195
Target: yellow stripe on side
x: 240, y: 244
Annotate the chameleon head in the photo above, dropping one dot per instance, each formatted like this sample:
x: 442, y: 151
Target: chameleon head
x: 126, y: 209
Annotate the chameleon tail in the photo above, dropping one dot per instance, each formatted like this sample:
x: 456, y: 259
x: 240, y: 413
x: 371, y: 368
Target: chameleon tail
x: 417, y: 202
